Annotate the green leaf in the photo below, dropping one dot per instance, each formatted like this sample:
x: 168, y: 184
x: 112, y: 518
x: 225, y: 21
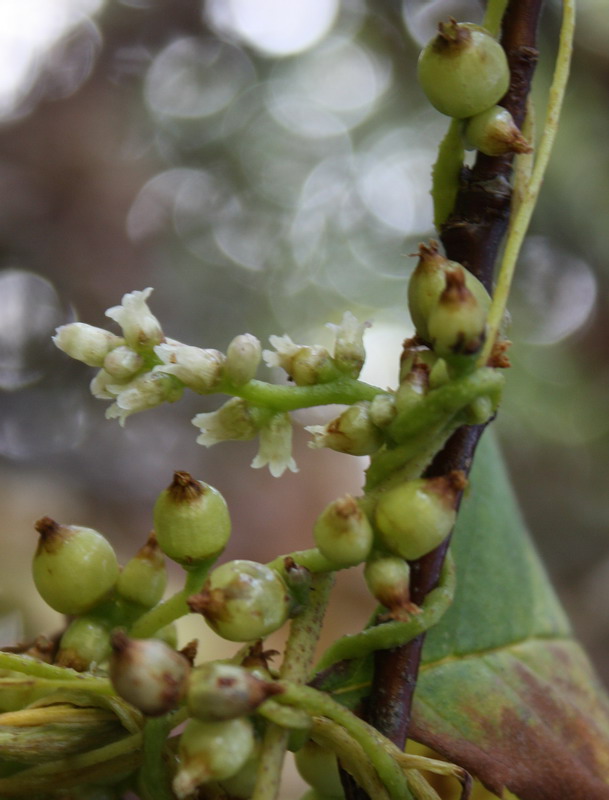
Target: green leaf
x: 504, y: 690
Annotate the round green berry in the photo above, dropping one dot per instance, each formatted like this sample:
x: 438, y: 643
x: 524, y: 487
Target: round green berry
x: 211, y: 751
x: 85, y: 643
x: 144, y: 577
x: 191, y: 520
x: 243, y: 600
x: 463, y: 70
x: 415, y: 517
x: 342, y: 533
x: 74, y: 568
x: 219, y: 691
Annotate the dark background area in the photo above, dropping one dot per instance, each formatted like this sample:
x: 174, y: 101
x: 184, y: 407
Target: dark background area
x: 266, y: 166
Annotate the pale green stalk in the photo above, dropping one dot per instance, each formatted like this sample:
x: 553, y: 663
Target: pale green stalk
x: 290, y: 398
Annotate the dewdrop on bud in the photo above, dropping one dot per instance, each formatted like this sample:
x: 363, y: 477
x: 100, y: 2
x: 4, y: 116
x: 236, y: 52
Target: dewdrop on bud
x: 457, y: 323
x: 74, y: 568
x: 415, y: 517
x: 349, y: 351
x: 342, y: 533
x: 463, y: 70
x: 388, y: 580
x: 191, y: 520
x: 85, y: 644
x: 242, y: 601
x: 219, y: 691
x: 494, y: 133
x: 122, y: 363
x: 86, y: 343
x: 211, y: 751
x: 198, y: 369
x: 141, y: 328
x: 427, y: 283
x: 305, y: 365
x: 243, y: 356
x: 144, y: 577
x: 147, y: 673
x: 353, y: 432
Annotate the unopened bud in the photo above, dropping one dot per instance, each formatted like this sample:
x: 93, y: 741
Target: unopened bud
x: 349, y: 351
x: 415, y: 517
x: 243, y: 600
x: 191, y: 520
x: 211, y: 751
x: 198, y: 369
x: 147, y: 673
x: 84, y: 645
x: 141, y: 328
x: 413, y: 388
x: 494, y: 133
x: 144, y: 577
x: 219, y: 691
x: 305, y: 365
x: 86, y: 343
x: 388, y: 580
x: 353, y: 432
x: 146, y: 391
x: 235, y: 420
x: 242, y: 359
x: 122, y: 363
x: 382, y: 410
x: 342, y: 533
x: 74, y: 568
x: 457, y: 323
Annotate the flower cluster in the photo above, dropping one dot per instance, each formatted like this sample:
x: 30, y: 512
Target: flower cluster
x: 143, y: 368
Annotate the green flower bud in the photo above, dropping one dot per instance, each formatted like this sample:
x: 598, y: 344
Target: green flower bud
x: 353, y: 432
x: 413, y: 388
x: 427, y: 283
x: 388, y: 580
x: 191, y: 520
x: 74, y: 568
x: 415, y: 517
x: 457, y: 323
x: 494, y: 133
x: 211, y: 751
x: 242, y: 601
x: 319, y: 768
x: 122, y: 363
x: 463, y: 70
x: 305, y: 365
x: 382, y: 410
x: 86, y: 343
x: 342, y: 533
x: 147, y: 673
x: 84, y: 645
x: 144, y: 578
x: 242, y: 359
x: 219, y: 691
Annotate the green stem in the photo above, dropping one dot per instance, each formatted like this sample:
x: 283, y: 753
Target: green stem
x: 312, y: 559
x: 154, y: 779
x: 290, y: 398
x: 388, y: 635
x: 493, y: 15
x: 320, y: 704
x: 174, y: 607
x: 299, y: 654
x: 17, y: 662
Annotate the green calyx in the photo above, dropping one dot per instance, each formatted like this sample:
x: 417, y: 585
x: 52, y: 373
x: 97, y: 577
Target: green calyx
x: 191, y: 520
x: 74, y: 568
x: 463, y: 70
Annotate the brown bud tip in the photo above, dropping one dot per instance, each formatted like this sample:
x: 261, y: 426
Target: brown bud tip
x: 448, y: 487
x: 189, y: 651
x: 456, y: 290
x: 499, y: 357
x: 199, y: 603
x: 119, y: 641
x: 256, y: 656
x: 184, y: 488
x: 47, y: 527
x: 451, y: 34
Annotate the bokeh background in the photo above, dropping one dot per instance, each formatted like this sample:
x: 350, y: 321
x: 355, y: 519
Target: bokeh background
x: 265, y: 165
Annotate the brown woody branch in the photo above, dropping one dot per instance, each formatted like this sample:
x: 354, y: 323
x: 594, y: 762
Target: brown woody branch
x: 472, y: 236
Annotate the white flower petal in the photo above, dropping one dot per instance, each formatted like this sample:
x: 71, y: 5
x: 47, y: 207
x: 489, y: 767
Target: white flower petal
x: 276, y: 446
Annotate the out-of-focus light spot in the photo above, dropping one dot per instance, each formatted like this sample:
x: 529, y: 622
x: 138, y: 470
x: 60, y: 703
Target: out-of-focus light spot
x: 393, y: 182
x: 593, y: 26
x: 421, y: 17
x: 553, y: 294
x: 152, y: 209
x: 304, y: 98
x: 195, y: 77
x: 248, y: 239
x: 274, y: 27
x: 28, y: 30
x: 30, y: 310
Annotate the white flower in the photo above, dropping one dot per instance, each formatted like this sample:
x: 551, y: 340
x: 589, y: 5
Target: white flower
x: 86, y: 343
x: 140, y: 327
x: 276, y: 446
x: 200, y: 370
x: 234, y: 420
x: 123, y: 363
x: 146, y: 391
x: 305, y: 365
x: 349, y: 351
x: 242, y: 359
x: 100, y: 384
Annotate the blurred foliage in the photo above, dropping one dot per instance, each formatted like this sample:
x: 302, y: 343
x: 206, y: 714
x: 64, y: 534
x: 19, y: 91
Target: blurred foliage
x: 265, y: 166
